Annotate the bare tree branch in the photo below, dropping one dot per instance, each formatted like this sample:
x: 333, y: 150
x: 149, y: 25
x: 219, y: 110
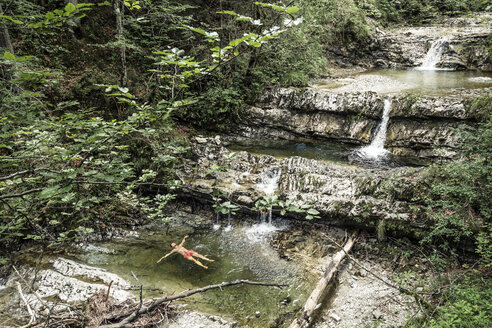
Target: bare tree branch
x: 21, y: 194
x: 13, y: 175
x: 126, y: 323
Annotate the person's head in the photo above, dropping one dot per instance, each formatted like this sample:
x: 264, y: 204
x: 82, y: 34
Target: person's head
x: 173, y: 245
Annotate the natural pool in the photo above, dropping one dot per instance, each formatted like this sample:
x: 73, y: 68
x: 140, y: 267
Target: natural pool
x: 241, y: 253
x: 322, y: 151
x: 425, y: 82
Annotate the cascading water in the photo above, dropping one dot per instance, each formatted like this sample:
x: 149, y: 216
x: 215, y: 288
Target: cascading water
x: 216, y: 225
x: 376, y: 151
x: 269, y: 181
x: 229, y: 225
x: 434, y: 54
x: 268, y: 185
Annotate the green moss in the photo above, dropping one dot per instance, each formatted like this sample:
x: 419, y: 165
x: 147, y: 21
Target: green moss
x: 408, y: 103
x: 479, y: 108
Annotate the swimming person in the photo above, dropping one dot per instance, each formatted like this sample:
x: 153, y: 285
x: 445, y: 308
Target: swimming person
x: 187, y: 253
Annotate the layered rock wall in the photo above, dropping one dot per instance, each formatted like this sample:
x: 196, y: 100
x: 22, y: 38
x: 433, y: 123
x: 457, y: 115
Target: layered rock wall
x: 344, y: 195
x: 467, y: 47
x: 419, y: 126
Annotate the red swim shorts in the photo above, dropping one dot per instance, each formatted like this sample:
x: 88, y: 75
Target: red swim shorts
x: 188, y: 254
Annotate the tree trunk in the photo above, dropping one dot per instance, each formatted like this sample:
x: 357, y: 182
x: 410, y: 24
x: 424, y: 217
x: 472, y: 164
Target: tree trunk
x: 119, y: 30
x: 316, y: 297
x: 5, y: 42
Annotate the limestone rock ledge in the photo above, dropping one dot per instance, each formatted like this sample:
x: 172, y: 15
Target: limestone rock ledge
x: 344, y: 195
x: 417, y: 123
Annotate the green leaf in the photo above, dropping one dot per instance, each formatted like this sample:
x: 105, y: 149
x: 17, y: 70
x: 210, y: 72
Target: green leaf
x: 235, y: 42
x: 227, y: 12
x: 312, y: 211
x: 8, y: 55
x: 50, y: 15
x: 69, y: 8
x: 197, y: 30
x: 292, y: 10
x: 49, y: 192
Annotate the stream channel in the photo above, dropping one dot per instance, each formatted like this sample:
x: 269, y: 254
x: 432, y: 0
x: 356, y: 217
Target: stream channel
x: 431, y: 82
x: 245, y: 251
x: 239, y: 253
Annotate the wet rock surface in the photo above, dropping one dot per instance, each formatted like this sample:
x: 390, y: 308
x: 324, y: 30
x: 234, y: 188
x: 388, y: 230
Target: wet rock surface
x: 417, y: 123
x: 58, y: 283
x: 403, y: 47
x: 345, y: 195
x: 192, y: 319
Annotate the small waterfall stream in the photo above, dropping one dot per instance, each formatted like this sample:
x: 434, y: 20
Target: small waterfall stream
x: 269, y: 181
x: 268, y: 185
x: 375, y: 150
x: 434, y: 54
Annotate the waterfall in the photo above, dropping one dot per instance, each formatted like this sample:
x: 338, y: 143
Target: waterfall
x: 434, y: 54
x: 216, y: 225
x: 268, y: 185
x: 269, y: 181
x: 375, y: 150
x: 263, y: 217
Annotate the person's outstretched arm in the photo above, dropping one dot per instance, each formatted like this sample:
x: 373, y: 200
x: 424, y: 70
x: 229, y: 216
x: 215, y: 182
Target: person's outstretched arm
x: 183, y: 241
x: 162, y: 258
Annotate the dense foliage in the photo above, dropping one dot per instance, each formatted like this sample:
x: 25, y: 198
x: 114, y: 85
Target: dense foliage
x: 460, y: 199
x: 419, y: 11
x: 465, y: 305
x: 88, y: 111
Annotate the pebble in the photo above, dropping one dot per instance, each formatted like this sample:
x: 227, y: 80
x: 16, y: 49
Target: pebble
x: 335, y: 317
x: 201, y: 140
x: 377, y: 314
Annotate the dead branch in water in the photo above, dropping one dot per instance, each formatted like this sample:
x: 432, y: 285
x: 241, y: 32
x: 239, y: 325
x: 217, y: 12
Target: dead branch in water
x: 26, y: 303
x: 316, y: 298
x: 126, y: 323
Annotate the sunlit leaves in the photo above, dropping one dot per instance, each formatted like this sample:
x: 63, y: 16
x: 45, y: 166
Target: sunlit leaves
x: 268, y: 203
x: 288, y: 10
x: 211, y: 36
x: 69, y: 8
x: 9, y: 56
x: 241, y: 18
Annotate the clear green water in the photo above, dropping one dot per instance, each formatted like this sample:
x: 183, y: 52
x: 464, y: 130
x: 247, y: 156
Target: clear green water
x: 322, y: 151
x: 428, y: 81
x: 425, y: 82
x: 238, y: 254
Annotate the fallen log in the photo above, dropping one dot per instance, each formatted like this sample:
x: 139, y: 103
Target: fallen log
x: 126, y: 322
x: 315, y: 299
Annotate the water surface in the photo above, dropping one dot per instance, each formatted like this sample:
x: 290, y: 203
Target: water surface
x: 325, y: 151
x: 241, y: 253
x: 420, y: 81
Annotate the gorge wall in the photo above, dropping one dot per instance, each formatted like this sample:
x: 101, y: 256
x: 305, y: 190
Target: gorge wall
x: 419, y: 126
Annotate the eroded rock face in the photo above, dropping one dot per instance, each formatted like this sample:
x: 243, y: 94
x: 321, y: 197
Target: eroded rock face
x: 63, y: 282
x: 345, y: 195
x: 417, y: 123
x: 466, y: 44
